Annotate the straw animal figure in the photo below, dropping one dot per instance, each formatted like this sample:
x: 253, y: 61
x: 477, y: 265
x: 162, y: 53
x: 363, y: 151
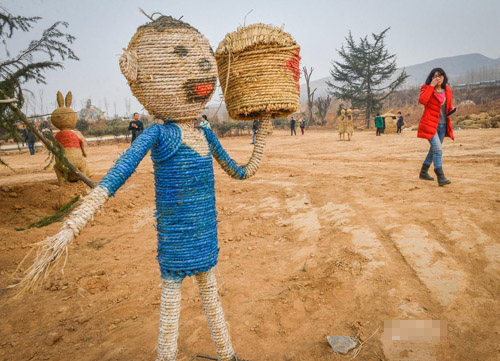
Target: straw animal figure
x: 341, y: 124
x: 171, y: 69
x: 349, y: 126
x: 64, y: 118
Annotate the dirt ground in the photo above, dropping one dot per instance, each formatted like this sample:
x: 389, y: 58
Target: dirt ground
x: 329, y: 238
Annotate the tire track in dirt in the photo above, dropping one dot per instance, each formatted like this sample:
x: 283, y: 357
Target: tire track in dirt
x: 449, y: 281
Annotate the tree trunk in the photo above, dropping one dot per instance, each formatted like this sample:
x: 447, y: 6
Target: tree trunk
x: 310, y: 95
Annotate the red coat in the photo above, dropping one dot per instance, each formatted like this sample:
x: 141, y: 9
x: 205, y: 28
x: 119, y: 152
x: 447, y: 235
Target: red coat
x: 428, y: 123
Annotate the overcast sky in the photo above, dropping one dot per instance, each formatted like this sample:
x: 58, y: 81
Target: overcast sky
x: 420, y: 31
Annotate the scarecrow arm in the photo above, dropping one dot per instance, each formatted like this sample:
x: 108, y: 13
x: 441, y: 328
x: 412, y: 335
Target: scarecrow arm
x: 228, y: 164
x: 50, y: 250
x: 128, y: 162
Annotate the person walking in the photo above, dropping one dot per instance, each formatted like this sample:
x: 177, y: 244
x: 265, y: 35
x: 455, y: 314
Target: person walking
x: 302, y: 125
x: 292, y: 126
x: 30, y: 139
x: 379, y: 124
x: 255, y: 129
x: 204, y: 122
x: 435, y: 123
x: 400, y: 122
x: 136, y: 126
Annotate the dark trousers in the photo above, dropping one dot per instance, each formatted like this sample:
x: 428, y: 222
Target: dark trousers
x: 302, y: 130
x: 379, y: 131
x: 31, y: 147
x: 292, y: 131
x: 399, y: 129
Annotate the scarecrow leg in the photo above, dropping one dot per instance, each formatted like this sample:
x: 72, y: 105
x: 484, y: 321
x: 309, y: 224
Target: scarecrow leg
x: 169, y: 319
x: 215, y: 315
x: 60, y: 176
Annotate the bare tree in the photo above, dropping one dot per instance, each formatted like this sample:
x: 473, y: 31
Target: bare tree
x: 106, y: 106
x: 127, y: 107
x: 310, y: 95
x: 40, y: 96
x: 322, y: 105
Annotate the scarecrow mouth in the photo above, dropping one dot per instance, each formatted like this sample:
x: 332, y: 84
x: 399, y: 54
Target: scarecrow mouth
x: 199, y: 89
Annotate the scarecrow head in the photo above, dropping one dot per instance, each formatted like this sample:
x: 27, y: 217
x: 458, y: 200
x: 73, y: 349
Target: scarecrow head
x: 170, y: 68
x: 342, y: 112
x: 64, y: 117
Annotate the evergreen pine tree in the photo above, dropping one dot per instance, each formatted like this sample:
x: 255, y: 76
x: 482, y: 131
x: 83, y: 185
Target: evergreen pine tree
x: 363, y: 77
x: 29, y: 64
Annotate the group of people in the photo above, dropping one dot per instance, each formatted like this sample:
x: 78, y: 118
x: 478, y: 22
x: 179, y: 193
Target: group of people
x: 380, y: 124
x: 302, y: 125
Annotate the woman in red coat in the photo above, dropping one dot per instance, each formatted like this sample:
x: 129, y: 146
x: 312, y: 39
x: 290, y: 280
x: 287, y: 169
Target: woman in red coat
x: 435, y: 123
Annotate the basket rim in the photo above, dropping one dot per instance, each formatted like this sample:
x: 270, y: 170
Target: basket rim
x: 253, y: 37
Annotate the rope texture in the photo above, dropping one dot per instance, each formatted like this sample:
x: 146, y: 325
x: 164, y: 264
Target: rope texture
x: 228, y: 164
x: 169, y: 319
x: 170, y: 68
x: 215, y: 315
x: 341, y: 124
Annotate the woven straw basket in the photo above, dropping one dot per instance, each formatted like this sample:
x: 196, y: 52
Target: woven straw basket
x: 259, y: 72
x: 170, y: 68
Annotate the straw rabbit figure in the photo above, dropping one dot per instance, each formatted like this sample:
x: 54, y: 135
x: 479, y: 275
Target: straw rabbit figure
x: 64, y: 118
x: 171, y: 69
x: 349, y: 126
x: 341, y: 124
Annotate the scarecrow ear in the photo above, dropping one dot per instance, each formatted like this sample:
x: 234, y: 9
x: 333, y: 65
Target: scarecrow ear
x: 69, y: 99
x: 60, y: 100
x: 128, y: 65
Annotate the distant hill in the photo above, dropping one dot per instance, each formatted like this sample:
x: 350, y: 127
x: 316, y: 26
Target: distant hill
x: 460, y: 69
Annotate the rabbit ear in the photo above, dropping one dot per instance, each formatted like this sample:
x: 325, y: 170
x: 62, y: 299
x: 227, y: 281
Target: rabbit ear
x: 60, y: 100
x: 128, y: 65
x: 69, y: 99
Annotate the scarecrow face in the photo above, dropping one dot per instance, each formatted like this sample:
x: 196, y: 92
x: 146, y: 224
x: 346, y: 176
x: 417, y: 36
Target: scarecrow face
x: 176, y: 69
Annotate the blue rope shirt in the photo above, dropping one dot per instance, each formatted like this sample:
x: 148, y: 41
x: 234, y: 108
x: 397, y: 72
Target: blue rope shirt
x: 185, y: 196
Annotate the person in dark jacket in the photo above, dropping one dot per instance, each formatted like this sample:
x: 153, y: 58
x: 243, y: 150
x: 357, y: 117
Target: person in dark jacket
x: 30, y: 139
x: 400, y: 123
x: 435, y: 124
x: 135, y: 126
x: 379, y: 124
x: 292, y: 126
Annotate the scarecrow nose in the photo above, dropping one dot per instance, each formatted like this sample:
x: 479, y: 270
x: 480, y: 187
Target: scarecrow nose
x: 205, y: 65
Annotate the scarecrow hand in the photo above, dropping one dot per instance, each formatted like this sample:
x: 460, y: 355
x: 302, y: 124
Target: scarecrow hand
x: 228, y: 164
x: 50, y: 250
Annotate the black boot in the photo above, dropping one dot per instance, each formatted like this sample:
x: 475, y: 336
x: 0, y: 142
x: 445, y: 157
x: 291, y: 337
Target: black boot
x: 441, y: 178
x: 424, y: 172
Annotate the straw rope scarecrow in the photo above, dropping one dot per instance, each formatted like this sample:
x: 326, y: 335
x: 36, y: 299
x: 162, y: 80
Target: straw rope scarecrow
x: 171, y: 69
x: 64, y: 118
x: 341, y: 124
x: 349, y: 126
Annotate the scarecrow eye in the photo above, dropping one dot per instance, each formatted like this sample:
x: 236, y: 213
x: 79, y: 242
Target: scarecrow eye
x: 205, y: 65
x: 180, y: 50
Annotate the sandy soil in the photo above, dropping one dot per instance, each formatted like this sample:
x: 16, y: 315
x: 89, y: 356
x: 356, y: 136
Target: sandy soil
x: 329, y: 238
